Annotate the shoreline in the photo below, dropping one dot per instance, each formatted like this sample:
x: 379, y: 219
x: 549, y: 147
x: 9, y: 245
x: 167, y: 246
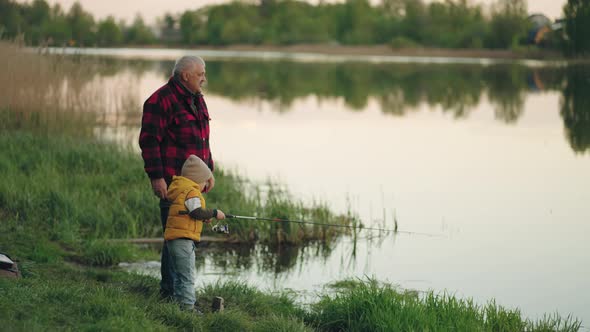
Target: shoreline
x: 382, y: 50
x: 374, y: 50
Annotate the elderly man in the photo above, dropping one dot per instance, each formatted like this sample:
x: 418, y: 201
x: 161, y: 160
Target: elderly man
x: 175, y: 124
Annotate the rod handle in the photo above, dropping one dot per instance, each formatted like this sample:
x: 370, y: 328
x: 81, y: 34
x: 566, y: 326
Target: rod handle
x: 227, y: 215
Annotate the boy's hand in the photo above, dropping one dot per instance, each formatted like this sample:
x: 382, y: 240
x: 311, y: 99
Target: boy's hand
x: 220, y: 215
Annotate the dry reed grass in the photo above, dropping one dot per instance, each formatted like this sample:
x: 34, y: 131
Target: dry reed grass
x: 57, y: 93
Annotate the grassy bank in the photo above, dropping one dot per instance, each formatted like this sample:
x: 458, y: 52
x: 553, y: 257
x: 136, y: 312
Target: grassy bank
x: 65, y: 195
x: 67, y: 297
x: 370, y: 306
x: 80, y: 192
x: 61, y: 199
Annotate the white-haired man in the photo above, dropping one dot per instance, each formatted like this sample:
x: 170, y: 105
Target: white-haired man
x: 175, y: 125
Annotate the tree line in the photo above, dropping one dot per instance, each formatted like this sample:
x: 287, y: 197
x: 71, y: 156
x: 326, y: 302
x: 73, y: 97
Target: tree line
x: 399, y: 23
x: 41, y: 24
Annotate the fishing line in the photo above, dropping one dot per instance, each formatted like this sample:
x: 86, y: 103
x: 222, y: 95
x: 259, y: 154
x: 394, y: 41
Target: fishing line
x: 231, y: 216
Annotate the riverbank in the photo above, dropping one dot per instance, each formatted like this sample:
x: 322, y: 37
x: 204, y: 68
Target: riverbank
x: 376, y: 50
x: 385, y: 50
x: 67, y: 297
x: 61, y: 200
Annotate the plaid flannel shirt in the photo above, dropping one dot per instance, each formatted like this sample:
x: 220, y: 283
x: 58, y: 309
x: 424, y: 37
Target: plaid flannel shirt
x: 175, y: 124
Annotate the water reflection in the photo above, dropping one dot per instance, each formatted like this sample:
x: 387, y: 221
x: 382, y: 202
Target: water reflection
x: 399, y: 89
x: 274, y: 261
x: 263, y: 258
x: 575, y: 108
x: 67, y: 96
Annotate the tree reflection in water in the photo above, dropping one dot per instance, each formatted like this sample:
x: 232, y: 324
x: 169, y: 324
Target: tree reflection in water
x: 401, y: 88
x: 575, y: 108
x: 457, y: 89
x: 280, y: 259
x: 265, y: 258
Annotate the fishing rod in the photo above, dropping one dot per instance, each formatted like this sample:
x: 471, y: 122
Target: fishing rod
x: 231, y: 216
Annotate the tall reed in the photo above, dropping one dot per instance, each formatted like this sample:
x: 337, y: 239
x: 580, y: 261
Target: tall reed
x: 57, y: 94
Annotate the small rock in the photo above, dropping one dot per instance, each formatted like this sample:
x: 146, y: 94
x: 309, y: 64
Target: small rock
x: 217, y: 304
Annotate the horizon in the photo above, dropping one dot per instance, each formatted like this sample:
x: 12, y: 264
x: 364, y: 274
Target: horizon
x: 154, y: 9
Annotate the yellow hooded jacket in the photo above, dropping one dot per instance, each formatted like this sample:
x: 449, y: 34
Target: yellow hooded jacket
x: 182, y: 225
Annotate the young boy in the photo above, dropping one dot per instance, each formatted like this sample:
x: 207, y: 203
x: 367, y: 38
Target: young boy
x: 184, y: 225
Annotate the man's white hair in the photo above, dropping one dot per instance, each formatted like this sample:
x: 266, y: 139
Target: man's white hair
x: 185, y: 63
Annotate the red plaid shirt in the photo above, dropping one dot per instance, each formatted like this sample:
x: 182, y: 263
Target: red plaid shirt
x: 175, y: 124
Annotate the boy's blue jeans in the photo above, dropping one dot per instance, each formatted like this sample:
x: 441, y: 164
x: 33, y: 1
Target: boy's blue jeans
x: 182, y: 254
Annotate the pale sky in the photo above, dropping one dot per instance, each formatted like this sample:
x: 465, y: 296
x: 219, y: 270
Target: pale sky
x: 152, y: 9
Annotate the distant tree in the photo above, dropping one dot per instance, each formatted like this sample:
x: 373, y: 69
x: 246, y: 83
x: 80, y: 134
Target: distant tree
x: 109, y: 33
x: 296, y: 22
x: 232, y: 23
x: 390, y: 18
x: 267, y: 8
x: 400, y: 23
x: 239, y: 29
x: 393, y: 8
x: 57, y: 28
x: 139, y: 33
x: 577, y: 28
x: 415, y: 19
x: 82, y: 25
x: 454, y: 24
x: 169, y: 21
x: 37, y: 17
x: 508, y: 24
x: 357, y: 23
x: 39, y: 12
x: 190, y: 27
x: 11, y: 20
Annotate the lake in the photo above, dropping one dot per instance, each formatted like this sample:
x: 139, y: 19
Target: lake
x: 493, y: 157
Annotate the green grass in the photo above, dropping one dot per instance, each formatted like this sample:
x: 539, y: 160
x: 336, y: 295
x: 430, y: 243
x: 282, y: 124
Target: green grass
x: 370, y: 306
x: 77, y: 190
x: 256, y: 303
x: 65, y: 297
x: 72, y: 297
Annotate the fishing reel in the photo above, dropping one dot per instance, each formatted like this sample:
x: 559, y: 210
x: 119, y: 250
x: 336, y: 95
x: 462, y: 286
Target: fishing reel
x: 219, y: 228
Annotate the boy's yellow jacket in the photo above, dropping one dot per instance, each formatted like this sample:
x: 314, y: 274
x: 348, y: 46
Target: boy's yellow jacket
x: 182, y: 225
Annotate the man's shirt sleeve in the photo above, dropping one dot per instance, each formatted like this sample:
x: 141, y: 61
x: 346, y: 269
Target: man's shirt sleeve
x: 153, y: 126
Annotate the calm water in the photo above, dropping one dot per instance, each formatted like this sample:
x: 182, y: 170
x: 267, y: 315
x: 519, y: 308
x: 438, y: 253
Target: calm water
x: 494, y: 156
